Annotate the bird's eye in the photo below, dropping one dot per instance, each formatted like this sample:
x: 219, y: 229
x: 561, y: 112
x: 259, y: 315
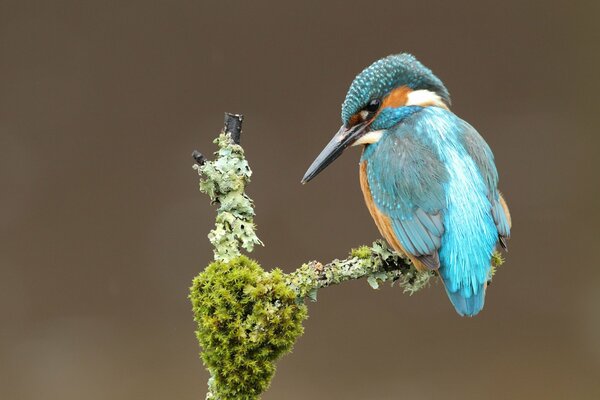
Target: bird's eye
x: 373, y: 105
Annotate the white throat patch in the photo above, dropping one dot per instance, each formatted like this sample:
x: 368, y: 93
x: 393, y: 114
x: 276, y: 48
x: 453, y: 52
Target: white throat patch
x: 424, y: 98
x: 368, y: 138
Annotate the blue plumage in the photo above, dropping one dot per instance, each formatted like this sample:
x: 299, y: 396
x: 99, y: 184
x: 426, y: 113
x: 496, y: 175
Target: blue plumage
x: 421, y: 166
x: 386, y: 74
x: 428, y: 177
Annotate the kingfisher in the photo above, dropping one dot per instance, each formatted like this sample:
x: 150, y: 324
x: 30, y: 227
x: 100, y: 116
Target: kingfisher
x: 428, y: 177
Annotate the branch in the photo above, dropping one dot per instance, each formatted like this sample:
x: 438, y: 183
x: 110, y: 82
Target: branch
x: 377, y: 264
x: 224, y: 181
x: 248, y: 317
x: 233, y: 126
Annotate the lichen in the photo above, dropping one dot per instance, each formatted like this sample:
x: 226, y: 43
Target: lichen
x: 378, y: 264
x: 224, y: 181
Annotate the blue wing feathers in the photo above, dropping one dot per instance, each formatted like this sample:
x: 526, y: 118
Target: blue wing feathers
x: 500, y: 218
x: 433, y: 223
x: 421, y: 240
x: 434, y: 177
x: 481, y: 154
x: 483, y: 157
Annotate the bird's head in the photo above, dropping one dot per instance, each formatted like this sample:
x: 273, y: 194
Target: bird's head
x: 380, y: 97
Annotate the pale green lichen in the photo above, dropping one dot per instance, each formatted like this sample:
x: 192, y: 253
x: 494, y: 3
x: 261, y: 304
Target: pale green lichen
x: 224, y: 181
x: 378, y: 264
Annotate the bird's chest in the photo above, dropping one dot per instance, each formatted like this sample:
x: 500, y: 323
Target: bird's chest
x: 364, y: 186
x: 381, y: 220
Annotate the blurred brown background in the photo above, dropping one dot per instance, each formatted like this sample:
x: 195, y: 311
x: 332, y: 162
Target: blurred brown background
x: 103, y: 228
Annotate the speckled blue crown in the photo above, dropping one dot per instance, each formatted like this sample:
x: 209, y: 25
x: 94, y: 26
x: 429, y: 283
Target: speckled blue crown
x: 386, y: 74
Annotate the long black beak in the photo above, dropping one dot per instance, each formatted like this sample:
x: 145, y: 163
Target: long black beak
x: 342, y: 139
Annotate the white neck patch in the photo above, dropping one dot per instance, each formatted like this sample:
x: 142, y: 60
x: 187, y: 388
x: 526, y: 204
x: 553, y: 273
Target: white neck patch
x: 424, y: 98
x: 368, y: 138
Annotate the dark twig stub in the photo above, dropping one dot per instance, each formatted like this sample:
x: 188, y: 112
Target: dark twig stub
x: 199, y: 157
x: 233, y: 125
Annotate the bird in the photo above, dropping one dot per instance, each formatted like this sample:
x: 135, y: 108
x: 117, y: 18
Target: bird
x: 428, y: 177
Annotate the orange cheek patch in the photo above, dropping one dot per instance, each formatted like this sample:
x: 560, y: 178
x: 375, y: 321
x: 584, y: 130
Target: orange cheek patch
x: 355, y: 119
x: 397, y: 97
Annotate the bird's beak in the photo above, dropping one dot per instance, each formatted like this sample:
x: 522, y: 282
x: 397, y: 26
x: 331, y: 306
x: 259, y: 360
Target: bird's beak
x: 342, y: 139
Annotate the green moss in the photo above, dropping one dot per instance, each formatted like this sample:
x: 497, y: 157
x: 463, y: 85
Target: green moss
x: 497, y: 261
x: 362, y: 252
x: 247, y: 318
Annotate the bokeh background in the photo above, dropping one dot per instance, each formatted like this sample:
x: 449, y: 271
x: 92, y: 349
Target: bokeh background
x: 103, y: 228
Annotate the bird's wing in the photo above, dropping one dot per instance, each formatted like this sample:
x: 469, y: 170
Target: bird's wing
x: 483, y: 157
x: 406, y: 182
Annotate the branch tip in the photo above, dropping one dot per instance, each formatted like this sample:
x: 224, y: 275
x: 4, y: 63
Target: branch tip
x: 233, y: 126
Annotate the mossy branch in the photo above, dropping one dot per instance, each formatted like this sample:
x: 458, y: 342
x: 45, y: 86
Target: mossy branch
x: 247, y: 317
x: 377, y: 264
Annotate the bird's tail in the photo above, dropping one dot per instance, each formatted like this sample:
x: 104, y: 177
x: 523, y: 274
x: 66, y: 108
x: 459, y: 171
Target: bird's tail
x: 467, y: 306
